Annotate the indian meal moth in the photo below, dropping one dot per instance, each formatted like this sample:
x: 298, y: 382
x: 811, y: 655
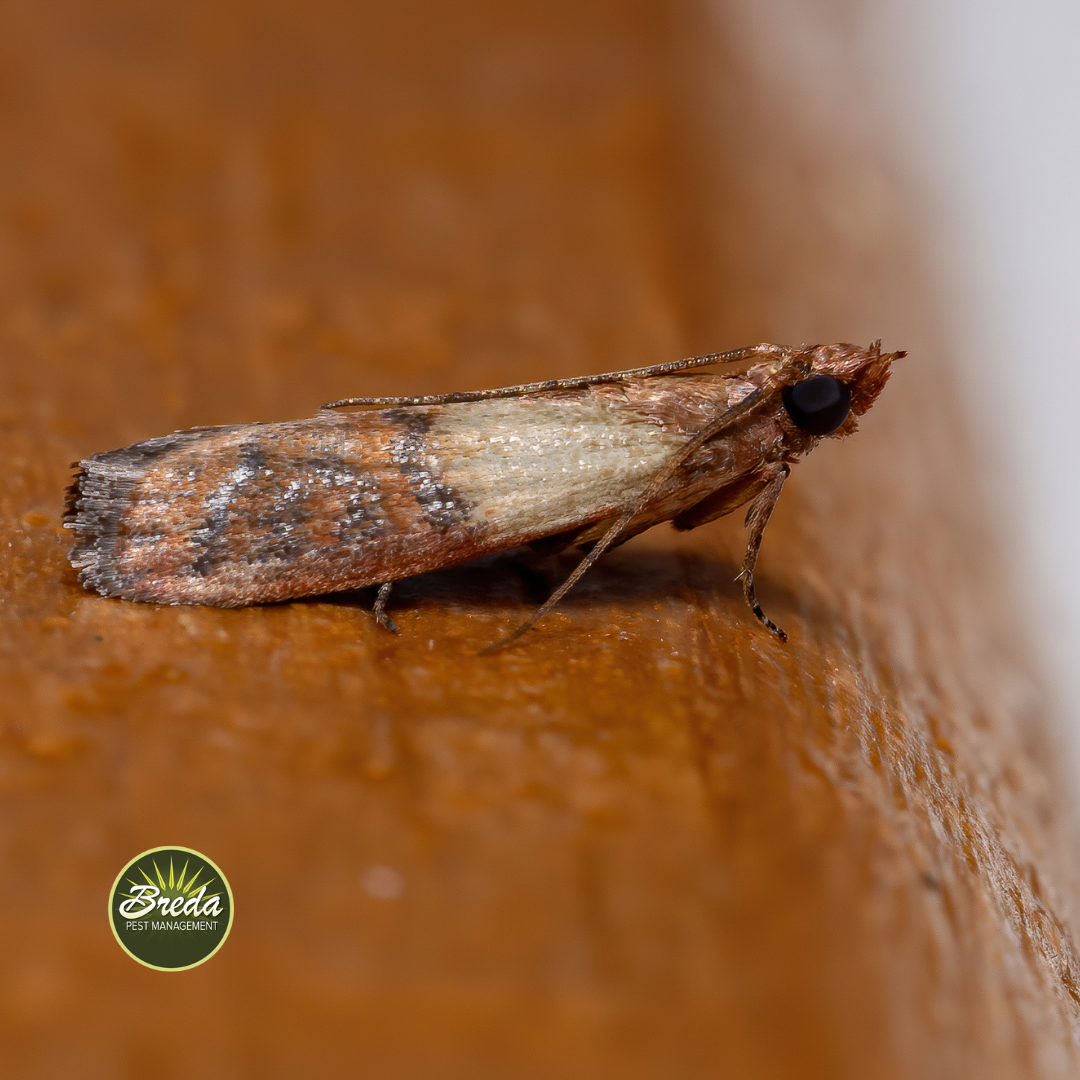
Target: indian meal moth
x: 254, y: 513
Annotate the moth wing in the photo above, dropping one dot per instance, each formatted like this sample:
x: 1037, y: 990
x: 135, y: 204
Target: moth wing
x: 235, y: 515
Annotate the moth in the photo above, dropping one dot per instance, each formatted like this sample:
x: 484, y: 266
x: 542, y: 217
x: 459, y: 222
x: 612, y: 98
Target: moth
x: 255, y: 513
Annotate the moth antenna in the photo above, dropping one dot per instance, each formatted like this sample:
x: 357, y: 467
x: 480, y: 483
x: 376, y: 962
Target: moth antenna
x: 579, y: 382
x: 711, y: 430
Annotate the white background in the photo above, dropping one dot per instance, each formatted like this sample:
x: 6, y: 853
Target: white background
x: 976, y: 105
x: 990, y: 99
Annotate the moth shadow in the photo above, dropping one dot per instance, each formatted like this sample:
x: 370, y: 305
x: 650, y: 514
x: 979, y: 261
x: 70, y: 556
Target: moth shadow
x: 519, y: 581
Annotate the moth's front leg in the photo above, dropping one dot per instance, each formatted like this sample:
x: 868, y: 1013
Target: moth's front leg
x: 757, y: 517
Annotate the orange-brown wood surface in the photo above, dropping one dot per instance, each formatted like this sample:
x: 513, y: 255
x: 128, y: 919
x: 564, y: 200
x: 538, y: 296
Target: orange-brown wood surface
x: 649, y: 841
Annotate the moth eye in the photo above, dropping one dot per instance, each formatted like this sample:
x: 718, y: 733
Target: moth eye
x: 818, y: 405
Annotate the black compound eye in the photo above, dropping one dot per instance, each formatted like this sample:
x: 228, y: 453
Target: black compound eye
x: 818, y: 405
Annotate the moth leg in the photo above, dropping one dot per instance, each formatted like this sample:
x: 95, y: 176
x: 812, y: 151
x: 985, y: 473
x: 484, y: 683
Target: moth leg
x: 757, y: 517
x: 580, y: 570
x: 660, y: 478
x: 380, y: 608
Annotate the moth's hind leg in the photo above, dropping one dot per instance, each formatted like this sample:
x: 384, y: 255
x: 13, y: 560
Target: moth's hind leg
x: 380, y: 608
x: 757, y: 517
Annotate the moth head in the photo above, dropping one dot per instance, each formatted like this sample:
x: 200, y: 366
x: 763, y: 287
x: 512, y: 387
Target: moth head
x: 841, y: 383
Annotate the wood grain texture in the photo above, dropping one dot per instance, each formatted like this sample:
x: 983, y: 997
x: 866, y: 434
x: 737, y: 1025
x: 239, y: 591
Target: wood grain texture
x: 650, y: 842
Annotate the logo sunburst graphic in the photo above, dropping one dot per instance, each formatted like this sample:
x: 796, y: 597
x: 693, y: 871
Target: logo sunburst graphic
x: 166, y: 920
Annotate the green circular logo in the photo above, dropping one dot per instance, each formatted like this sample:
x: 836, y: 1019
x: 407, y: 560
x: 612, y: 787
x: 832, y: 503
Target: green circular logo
x: 170, y: 908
